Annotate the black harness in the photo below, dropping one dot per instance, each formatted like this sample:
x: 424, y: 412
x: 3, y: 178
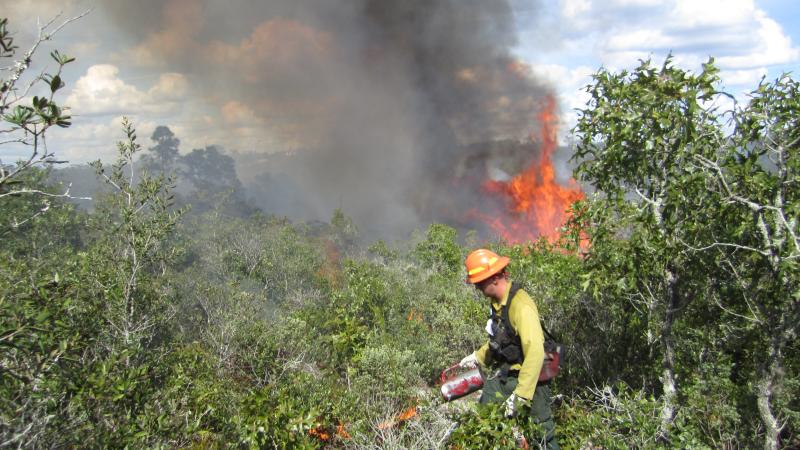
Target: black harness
x: 505, y: 343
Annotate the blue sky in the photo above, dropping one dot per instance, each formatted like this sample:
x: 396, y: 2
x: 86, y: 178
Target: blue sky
x: 786, y: 12
x: 564, y: 42
x: 748, y: 39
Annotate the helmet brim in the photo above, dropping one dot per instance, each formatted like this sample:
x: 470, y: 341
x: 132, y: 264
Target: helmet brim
x: 498, y: 266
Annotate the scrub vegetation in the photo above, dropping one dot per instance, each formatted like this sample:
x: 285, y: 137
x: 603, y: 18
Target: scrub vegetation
x: 172, y: 314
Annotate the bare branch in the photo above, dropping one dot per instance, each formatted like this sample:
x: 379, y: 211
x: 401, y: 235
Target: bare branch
x: 646, y: 199
x: 24, y: 94
x: 22, y: 65
x: 66, y: 193
x: 44, y: 209
x: 777, y: 209
x: 724, y: 244
x: 110, y: 181
x: 733, y: 313
x: 743, y: 285
x: 11, y: 141
x: 19, y: 436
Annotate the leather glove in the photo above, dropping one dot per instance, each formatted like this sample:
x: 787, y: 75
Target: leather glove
x: 513, y: 404
x: 469, y: 361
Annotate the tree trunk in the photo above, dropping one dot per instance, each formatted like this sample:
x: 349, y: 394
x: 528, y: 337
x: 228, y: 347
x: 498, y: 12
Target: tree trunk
x: 667, y: 378
x: 668, y: 360
x: 768, y: 376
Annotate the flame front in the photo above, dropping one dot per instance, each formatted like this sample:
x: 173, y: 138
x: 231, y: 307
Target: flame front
x: 534, y: 205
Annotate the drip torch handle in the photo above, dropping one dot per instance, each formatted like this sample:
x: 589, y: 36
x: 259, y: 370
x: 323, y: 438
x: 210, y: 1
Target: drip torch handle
x: 448, y: 373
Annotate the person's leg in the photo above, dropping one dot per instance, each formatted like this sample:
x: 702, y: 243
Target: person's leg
x: 497, y: 389
x: 543, y: 415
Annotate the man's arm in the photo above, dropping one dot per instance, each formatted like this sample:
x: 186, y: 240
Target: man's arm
x: 524, y: 317
x: 481, y: 353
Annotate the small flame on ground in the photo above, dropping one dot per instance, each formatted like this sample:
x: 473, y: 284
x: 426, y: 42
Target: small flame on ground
x: 324, y: 434
x: 535, y: 205
x: 400, y: 418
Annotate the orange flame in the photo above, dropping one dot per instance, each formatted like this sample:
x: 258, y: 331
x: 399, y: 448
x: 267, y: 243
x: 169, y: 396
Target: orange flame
x: 320, y: 433
x: 415, y: 315
x: 536, y: 205
x: 341, y: 432
x: 324, y: 434
x: 400, y: 418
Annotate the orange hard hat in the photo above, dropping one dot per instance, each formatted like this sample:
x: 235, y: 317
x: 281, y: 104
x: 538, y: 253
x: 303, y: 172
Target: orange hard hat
x: 482, y: 263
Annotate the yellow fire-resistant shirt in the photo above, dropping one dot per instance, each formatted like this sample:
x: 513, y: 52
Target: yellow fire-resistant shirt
x: 524, y: 317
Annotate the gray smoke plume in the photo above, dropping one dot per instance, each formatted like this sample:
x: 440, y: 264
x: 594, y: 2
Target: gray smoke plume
x: 386, y: 107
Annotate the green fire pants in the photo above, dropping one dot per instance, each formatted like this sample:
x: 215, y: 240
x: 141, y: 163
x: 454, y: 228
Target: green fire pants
x: 497, y: 389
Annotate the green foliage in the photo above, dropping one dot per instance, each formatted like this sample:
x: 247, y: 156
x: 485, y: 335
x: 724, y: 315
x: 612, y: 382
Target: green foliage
x: 38, y: 226
x: 382, y: 250
x: 691, y: 232
x: 190, y: 401
x: 487, y: 427
x: 137, y: 326
x: 212, y: 175
x: 440, y: 251
x: 270, y: 254
x: 386, y: 374
x: 757, y: 181
x: 135, y: 220
x: 610, y: 418
x: 206, y: 178
x: 284, y: 415
x: 643, y: 126
x: 25, y: 122
x: 43, y: 112
x: 637, y: 143
x: 7, y: 46
x: 712, y: 413
x: 40, y: 346
x: 165, y: 150
x: 356, y: 311
x: 344, y: 230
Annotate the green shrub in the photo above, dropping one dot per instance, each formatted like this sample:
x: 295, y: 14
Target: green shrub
x: 487, y: 427
x: 386, y: 374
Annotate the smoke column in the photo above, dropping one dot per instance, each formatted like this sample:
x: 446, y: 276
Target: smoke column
x: 384, y: 104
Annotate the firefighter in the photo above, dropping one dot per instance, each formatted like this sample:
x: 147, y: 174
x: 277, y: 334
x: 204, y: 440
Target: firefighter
x: 514, y: 356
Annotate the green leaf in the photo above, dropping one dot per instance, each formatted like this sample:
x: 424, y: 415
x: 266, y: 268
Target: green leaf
x: 61, y: 59
x: 56, y: 83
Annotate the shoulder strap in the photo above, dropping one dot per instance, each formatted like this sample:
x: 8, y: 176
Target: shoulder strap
x: 513, y: 292
x: 514, y: 288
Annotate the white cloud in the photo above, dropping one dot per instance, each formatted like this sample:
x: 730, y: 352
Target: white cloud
x: 771, y: 47
x: 712, y: 13
x: 88, y: 140
x: 559, y: 75
x: 744, y: 40
x: 572, y: 9
x: 638, y: 38
x: 738, y: 34
x: 617, y: 34
x: 616, y: 61
x: 748, y: 77
x: 102, y: 92
x: 170, y: 87
x: 628, y: 3
x: 101, y: 97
